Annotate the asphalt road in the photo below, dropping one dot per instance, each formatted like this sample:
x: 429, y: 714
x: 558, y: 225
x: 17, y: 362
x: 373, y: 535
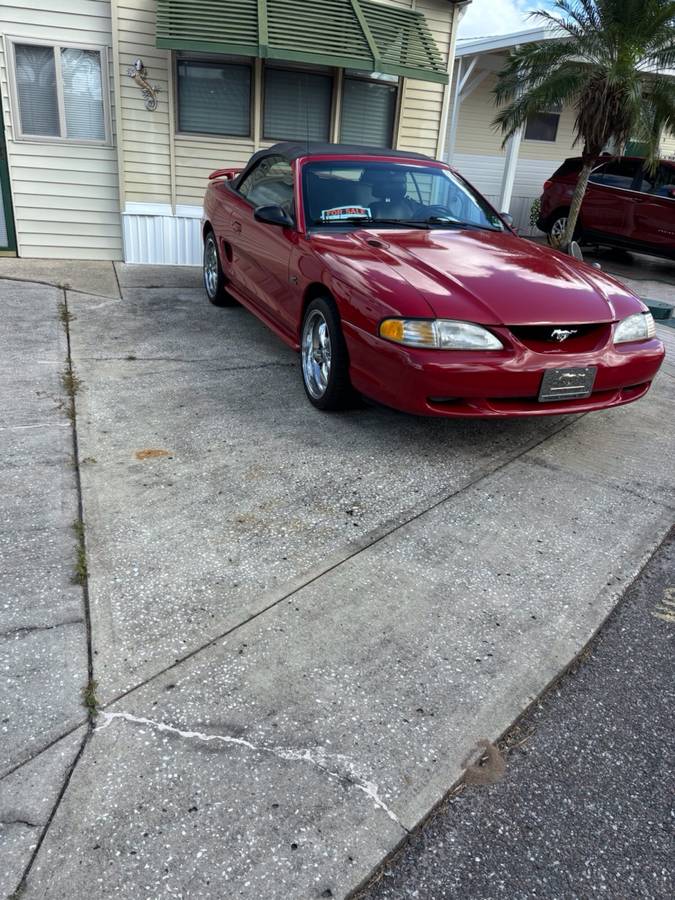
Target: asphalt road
x: 585, y: 807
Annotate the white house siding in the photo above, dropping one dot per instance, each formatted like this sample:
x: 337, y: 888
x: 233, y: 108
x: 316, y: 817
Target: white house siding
x: 668, y: 146
x: 65, y: 195
x: 165, y: 174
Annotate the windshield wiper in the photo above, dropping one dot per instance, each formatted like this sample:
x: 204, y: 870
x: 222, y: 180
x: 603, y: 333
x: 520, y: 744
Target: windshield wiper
x: 366, y: 223
x: 404, y: 223
x: 457, y: 223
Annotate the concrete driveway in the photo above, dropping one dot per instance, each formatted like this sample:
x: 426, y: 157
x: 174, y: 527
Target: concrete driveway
x: 299, y: 624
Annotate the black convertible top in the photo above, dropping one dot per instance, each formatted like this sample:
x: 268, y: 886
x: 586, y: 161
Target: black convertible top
x: 293, y: 149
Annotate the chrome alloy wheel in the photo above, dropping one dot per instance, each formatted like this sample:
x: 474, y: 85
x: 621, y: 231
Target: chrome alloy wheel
x: 316, y: 354
x: 211, y: 267
x: 557, y: 232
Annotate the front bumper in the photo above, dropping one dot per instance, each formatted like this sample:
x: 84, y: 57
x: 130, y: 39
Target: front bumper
x: 493, y: 383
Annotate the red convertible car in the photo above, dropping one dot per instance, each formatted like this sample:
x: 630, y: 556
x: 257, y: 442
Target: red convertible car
x: 394, y: 278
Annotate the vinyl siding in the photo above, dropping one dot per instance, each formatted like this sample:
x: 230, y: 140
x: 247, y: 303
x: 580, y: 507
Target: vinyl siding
x: 196, y: 157
x: 65, y: 195
x: 668, y: 146
x: 476, y: 134
x: 422, y: 101
x: 145, y: 140
x: 485, y: 174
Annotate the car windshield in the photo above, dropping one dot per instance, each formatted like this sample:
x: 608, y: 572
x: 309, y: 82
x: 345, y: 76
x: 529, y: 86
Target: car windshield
x: 352, y: 194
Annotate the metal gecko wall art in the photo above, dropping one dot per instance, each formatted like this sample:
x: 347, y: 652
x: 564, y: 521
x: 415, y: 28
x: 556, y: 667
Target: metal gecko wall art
x: 139, y: 74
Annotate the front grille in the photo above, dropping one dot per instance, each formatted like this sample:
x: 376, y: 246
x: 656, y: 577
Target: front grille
x: 547, y: 338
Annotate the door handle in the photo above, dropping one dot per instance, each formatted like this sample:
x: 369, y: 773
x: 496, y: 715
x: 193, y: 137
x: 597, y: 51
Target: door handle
x: 236, y: 226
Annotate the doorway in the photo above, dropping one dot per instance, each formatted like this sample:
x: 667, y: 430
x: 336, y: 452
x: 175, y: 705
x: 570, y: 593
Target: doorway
x: 7, y: 232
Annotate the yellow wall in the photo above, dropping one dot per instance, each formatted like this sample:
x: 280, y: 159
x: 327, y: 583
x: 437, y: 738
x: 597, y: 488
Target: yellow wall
x: 422, y: 101
x: 475, y: 133
x: 65, y: 194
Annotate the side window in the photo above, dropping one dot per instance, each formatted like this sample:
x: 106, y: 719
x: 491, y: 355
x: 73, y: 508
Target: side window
x: 596, y: 174
x: 270, y: 184
x: 617, y: 174
x: 660, y: 184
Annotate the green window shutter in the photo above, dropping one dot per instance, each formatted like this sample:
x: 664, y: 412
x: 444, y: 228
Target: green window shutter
x: 215, y: 26
x: 405, y: 44
x: 356, y: 34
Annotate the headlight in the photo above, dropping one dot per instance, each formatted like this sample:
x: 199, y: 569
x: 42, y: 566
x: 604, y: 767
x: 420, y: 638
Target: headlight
x: 638, y: 327
x: 439, y: 334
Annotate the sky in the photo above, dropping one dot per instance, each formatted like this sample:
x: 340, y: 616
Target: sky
x: 485, y: 17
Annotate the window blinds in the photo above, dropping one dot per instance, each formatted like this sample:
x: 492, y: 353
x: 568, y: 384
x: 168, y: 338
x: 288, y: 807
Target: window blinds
x: 214, y: 98
x: 297, y: 105
x: 36, y: 90
x: 367, y: 113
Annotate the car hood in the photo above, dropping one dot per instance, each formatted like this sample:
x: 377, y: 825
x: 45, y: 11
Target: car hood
x: 493, y: 278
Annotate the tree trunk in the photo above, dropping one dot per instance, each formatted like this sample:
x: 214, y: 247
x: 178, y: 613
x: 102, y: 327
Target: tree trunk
x: 577, y: 198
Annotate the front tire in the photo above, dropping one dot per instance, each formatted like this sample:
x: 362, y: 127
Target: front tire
x: 325, y: 362
x: 214, y: 278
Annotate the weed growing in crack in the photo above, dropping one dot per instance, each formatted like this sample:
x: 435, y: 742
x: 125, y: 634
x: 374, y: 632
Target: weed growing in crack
x: 65, y: 316
x: 80, y: 574
x: 70, y: 382
x: 89, y: 699
x: 71, y: 385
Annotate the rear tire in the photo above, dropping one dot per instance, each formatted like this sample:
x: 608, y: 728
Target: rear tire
x: 214, y: 278
x: 325, y: 362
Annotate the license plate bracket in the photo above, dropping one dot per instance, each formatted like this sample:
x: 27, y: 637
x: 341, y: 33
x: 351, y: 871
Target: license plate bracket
x: 567, y: 384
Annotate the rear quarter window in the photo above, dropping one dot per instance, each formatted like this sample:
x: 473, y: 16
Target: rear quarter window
x: 569, y: 167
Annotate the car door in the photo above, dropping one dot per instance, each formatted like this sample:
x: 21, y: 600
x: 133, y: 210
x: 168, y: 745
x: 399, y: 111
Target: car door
x: 608, y: 205
x: 261, y: 252
x: 653, y: 222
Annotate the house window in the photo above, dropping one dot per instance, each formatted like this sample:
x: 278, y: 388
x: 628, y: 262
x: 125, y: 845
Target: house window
x: 543, y: 126
x: 368, y: 110
x: 297, y: 105
x: 213, y: 97
x: 59, y: 92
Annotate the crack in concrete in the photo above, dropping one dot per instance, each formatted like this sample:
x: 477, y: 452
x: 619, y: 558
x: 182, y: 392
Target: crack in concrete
x: 86, y: 620
x: 24, y: 630
x: 176, y: 359
x: 317, y: 758
x: 20, y: 822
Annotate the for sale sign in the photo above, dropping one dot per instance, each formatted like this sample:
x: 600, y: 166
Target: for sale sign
x: 340, y: 213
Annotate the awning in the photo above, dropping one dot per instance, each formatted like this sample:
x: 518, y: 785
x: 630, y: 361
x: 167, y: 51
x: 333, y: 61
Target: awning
x: 353, y: 34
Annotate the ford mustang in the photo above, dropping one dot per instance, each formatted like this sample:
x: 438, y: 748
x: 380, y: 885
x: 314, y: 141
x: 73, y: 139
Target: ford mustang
x: 395, y: 279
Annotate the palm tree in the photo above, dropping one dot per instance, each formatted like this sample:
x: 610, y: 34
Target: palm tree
x: 607, y: 58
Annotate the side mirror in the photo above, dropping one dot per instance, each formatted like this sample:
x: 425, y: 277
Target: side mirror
x: 508, y: 218
x: 273, y: 215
